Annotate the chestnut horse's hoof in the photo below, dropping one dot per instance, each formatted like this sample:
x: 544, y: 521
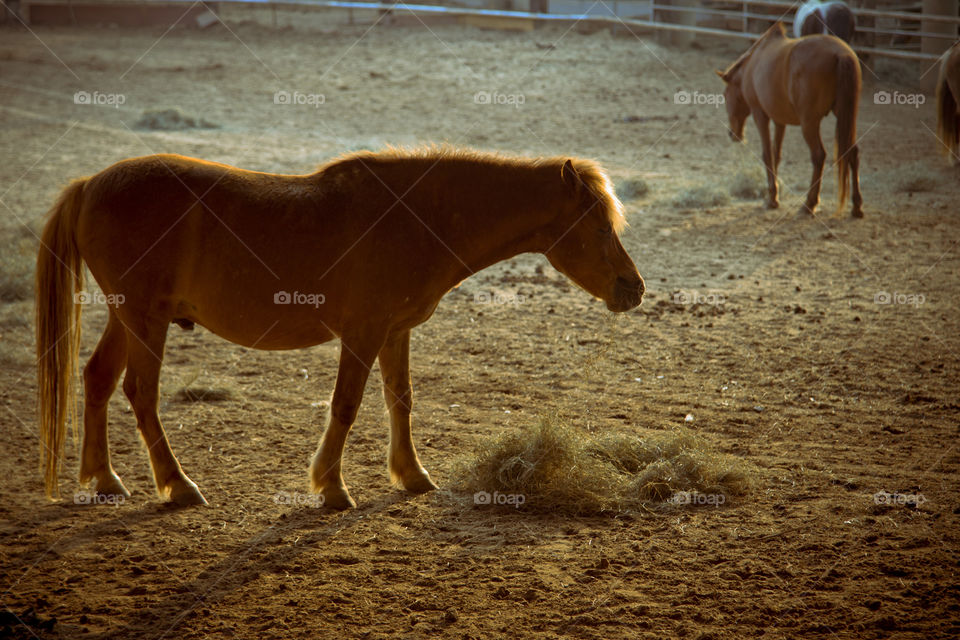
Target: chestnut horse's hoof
x: 772, y: 204
x: 184, y: 492
x: 337, y: 498
x: 857, y: 213
x: 112, y: 486
x: 419, y: 484
x: 807, y: 211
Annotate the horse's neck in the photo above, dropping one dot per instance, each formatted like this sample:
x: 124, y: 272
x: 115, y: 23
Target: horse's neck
x: 769, y: 36
x: 513, y: 207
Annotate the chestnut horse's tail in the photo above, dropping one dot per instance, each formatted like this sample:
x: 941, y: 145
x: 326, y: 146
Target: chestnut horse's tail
x: 947, y: 117
x: 847, y: 100
x: 59, y: 277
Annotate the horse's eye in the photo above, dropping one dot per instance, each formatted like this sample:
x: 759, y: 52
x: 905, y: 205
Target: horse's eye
x: 606, y: 229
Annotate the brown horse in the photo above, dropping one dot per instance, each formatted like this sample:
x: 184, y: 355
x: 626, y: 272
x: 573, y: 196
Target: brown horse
x: 798, y: 82
x: 948, y: 103
x: 368, y: 245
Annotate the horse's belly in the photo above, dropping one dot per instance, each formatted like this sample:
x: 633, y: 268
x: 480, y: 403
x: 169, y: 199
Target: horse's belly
x: 262, y: 318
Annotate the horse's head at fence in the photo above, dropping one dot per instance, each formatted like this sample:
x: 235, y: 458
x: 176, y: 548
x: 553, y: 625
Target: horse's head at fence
x: 737, y: 108
x: 585, y: 244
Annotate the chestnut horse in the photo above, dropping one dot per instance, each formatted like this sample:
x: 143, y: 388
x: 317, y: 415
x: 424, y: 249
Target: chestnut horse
x: 368, y: 245
x: 948, y: 103
x: 831, y: 18
x: 799, y: 81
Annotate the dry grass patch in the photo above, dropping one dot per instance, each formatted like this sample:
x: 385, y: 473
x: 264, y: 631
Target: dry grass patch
x: 749, y: 183
x: 701, y: 197
x: 558, y: 468
x: 632, y: 189
x: 192, y: 391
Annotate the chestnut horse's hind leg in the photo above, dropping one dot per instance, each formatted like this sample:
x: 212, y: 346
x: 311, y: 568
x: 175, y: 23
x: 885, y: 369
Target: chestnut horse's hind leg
x: 99, y: 382
x: 356, y: 358
x: 402, y: 461
x: 142, y: 385
x: 778, y: 131
x: 854, y: 160
x: 811, y: 133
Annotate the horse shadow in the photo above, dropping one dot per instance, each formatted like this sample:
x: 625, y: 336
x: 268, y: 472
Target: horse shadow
x: 270, y: 548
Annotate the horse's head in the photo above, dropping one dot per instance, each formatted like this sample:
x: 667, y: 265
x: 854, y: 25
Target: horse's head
x: 584, y: 240
x: 737, y: 108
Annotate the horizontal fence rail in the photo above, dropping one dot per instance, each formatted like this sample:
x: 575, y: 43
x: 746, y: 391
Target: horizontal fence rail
x: 748, y: 12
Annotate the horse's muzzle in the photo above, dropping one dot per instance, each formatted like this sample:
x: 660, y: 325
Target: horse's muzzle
x: 626, y: 294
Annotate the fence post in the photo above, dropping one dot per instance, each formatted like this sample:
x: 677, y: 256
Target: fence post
x: 936, y: 46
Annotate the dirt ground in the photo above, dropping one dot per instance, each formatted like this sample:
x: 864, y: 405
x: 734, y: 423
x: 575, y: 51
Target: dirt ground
x: 769, y: 328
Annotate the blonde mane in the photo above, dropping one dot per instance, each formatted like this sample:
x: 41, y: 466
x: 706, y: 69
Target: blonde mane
x: 590, y: 173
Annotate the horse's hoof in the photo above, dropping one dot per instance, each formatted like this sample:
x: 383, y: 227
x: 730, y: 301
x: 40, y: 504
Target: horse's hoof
x: 337, y: 498
x: 773, y: 204
x: 857, y: 213
x: 111, y: 486
x: 806, y: 211
x: 185, y: 494
x: 419, y: 484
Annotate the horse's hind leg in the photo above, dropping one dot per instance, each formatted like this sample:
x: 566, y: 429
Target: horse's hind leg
x: 99, y: 382
x: 356, y: 358
x: 402, y: 461
x: 145, y: 344
x: 811, y: 133
x: 854, y: 159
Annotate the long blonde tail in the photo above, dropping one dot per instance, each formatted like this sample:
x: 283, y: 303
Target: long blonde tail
x: 848, y: 99
x: 59, y: 277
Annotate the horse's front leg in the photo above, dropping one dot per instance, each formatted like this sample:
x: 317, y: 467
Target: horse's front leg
x: 763, y: 126
x: 811, y: 133
x: 356, y: 358
x: 402, y: 461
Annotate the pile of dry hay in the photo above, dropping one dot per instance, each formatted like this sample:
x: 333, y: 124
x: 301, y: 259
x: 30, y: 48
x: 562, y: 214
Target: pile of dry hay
x: 557, y: 468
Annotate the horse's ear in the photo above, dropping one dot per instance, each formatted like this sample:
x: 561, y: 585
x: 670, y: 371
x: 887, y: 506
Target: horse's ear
x: 723, y: 75
x: 570, y: 176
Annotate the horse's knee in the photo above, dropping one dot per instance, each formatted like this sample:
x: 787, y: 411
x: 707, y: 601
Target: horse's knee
x: 130, y: 389
x: 142, y: 397
x: 400, y: 398
x: 344, y: 412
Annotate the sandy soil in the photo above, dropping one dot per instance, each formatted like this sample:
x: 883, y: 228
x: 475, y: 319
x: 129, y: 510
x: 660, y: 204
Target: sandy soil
x: 761, y: 324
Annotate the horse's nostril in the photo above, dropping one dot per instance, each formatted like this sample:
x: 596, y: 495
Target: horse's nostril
x: 630, y: 287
